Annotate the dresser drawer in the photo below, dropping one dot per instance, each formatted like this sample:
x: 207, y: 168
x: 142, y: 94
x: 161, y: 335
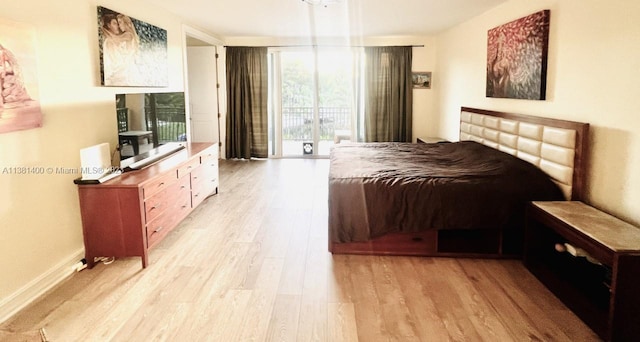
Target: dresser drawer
x: 210, y: 153
x: 188, y: 167
x: 159, y: 227
x: 209, y: 170
x: 159, y: 184
x: 211, y: 164
x: 158, y: 203
x: 169, y: 218
x: 197, y: 175
x: 202, y: 189
x: 182, y: 206
x: 204, y: 181
x: 199, y: 193
x: 164, y: 199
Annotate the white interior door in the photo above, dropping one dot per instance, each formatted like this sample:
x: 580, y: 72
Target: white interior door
x: 203, y: 95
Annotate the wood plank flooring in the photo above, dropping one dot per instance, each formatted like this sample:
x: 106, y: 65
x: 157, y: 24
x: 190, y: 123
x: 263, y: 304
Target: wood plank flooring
x: 251, y: 264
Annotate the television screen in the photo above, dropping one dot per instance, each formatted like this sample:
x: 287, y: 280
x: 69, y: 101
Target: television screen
x: 148, y: 121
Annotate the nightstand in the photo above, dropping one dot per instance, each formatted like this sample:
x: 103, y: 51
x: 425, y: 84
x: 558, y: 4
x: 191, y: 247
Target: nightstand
x: 591, y: 261
x: 430, y: 140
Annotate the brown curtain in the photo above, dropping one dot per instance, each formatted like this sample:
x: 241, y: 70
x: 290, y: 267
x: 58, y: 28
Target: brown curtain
x: 388, y: 94
x: 247, y: 102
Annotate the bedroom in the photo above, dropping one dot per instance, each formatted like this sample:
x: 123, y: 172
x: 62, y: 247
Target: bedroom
x: 593, y: 65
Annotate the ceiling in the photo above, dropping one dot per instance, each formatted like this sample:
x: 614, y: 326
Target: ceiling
x: 349, y: 18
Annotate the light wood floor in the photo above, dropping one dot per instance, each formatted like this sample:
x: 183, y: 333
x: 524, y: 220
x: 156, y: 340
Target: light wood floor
x: 251, y: 263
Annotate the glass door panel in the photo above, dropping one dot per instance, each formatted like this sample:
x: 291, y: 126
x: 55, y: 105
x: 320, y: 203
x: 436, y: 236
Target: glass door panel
x: 297, y: 104
x: 312, y: 102
x: 335, y: 97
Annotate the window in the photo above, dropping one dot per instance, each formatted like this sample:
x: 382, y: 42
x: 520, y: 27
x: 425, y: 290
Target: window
x: 314, y: 99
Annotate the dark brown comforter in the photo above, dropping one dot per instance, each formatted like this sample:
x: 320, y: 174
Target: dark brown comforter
x: 377, y: 188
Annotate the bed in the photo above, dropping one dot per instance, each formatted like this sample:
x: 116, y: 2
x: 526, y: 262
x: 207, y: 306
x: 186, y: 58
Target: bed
x: 464, y: 198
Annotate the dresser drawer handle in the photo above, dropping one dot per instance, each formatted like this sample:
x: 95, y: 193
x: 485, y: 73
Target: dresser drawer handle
x: 161, y: 184
x: 158, y: 229
x: 155, y: 207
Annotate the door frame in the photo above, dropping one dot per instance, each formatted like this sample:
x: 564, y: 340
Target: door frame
x: 195, y: 37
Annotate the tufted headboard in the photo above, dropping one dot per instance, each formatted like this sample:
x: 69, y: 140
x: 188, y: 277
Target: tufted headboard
x: 558, y: 147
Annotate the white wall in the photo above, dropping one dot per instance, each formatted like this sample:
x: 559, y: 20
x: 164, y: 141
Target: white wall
x: 593, y: 73
x: 425, y: 117
x: 40, y: 228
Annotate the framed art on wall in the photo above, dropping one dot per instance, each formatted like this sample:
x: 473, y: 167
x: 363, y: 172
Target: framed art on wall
x: 517, y: 58
x: 19, y: 104
x: 133, y: 53
x: 421, y: 79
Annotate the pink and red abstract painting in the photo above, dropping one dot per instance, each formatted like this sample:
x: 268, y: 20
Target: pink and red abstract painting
x: 19, y: 92
x: 517, y: 58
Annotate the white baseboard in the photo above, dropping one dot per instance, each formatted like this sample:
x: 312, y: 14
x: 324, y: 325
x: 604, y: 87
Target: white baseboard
x: 37, y: 287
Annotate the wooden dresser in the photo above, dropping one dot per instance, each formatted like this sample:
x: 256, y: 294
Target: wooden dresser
x: 128, y: 215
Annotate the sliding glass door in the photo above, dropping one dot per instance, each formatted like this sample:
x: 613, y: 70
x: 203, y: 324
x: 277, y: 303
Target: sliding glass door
x: 312, y: 100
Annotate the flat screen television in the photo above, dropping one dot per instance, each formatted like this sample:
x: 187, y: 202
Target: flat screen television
x: 151, y: 126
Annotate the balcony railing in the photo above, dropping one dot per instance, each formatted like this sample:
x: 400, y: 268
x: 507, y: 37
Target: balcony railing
x: 297, y: 122
x: 171, y: 124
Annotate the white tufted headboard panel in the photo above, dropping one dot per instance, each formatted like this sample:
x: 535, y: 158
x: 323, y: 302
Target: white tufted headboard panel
x: 555, y: 146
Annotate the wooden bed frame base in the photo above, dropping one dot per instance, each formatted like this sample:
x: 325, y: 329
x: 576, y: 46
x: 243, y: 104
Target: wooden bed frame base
x: 488, y: 243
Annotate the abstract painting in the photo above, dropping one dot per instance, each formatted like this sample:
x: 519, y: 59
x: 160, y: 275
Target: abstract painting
x: 517, y: 58
x: 133, y: 53
x: 19, y: 104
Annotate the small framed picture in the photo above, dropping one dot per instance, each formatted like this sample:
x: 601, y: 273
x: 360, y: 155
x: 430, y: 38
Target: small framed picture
x: 421, y: 79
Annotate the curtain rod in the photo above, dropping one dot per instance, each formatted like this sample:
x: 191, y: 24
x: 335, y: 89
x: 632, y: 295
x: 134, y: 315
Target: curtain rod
x: 320, y: 45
